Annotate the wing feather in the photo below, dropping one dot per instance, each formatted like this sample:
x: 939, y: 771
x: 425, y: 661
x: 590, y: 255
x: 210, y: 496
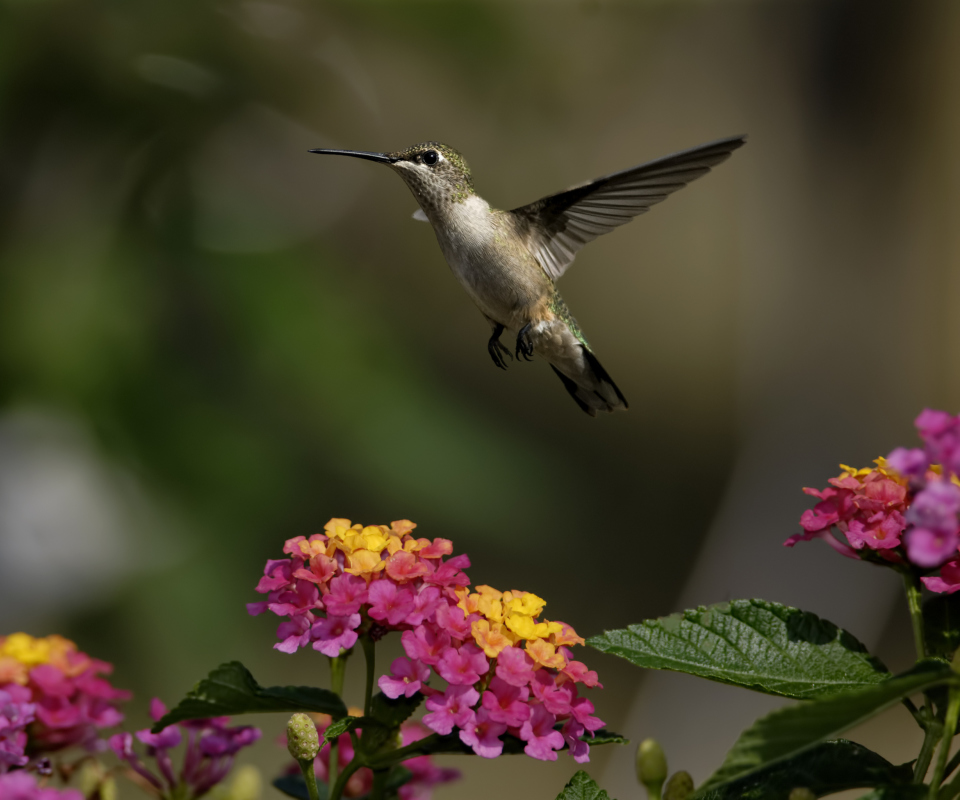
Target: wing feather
x: 557, y: 226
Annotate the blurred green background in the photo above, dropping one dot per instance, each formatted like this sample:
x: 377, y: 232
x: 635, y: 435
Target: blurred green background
x: 211, y: 341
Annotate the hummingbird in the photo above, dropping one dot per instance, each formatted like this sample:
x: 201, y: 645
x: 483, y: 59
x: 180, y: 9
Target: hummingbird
x: 509, y: 261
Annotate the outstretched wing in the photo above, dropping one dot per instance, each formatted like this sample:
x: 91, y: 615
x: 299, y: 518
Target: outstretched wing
x: 559, y: 225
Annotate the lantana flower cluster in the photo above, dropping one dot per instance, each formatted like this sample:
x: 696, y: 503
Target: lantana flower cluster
x: 425, y: 774
x: 903, y: 511
x: 61, y: 688
x: 209, y: 754
x: 506, y: 670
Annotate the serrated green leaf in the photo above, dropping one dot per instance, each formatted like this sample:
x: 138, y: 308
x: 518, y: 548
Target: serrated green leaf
x: 582, y: 787
x: 341, y: 726
x: 230, y: 689
x: 941, y: 624
x: 756, y: 644
x: 391, y: 713
x: 825, y: 768
x: 790, y: 731
x: 603, y: 736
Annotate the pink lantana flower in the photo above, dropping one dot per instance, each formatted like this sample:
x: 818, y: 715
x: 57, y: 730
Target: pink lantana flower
x: 905, y: 511
x: 505, y: 667
x: 71, y: 701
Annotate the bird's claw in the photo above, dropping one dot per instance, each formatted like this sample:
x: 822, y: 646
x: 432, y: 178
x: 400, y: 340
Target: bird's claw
x: 498, y: 349
x: 524, y: 345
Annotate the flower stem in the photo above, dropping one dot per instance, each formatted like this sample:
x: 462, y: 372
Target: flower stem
x: 930, y: 724
x: 369, y: 653
x: 379, y: 784
x: 931, y: 735
x: 310, y: 777
x: 952, y: 764
x: 337, y: 791
x: 338, y: 667
x: 418, y: 748
x: 912, y: 587
x: 949, y: 729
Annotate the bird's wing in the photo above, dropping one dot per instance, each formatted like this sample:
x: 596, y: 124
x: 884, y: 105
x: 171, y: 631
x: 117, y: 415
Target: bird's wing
x: 557, y: 226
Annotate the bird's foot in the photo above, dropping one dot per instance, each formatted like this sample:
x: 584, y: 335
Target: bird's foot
x: 524, y: 345
x: 498, y: 349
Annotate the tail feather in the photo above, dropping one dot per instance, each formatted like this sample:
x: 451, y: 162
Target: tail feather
x: 595, y: 390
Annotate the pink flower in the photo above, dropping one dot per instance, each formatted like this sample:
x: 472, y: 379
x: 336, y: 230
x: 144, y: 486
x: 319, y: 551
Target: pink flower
x: 426, y: 644
x: 927, y: 548
x: 295, y: 633
x: 406, y: 678
x: 514, y: 666
x: 365, y: 581
x: 333, y: 633
x: 21, y: 785
x: 453, y: 708
x: 542, y: 740
x: 390, y: 603
x: 454, y: 621
x: 16, y: 712
x: 211, y: 747
x: 462, y: 666
x: 347, y: 594
x: 483, y: 736
x: 949, y: 580
x: 935, y: 507
x: 507, y: 704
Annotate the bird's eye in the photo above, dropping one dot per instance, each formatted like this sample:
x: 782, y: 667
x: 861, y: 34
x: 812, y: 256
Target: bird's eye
x: 431, y: 157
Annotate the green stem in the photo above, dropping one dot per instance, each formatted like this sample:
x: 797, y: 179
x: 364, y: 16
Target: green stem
x: 418, y: 748
x: 912, y: 587
x: 949, y: 729
x: 337, y: 791
x: 370, y: 655
x: 338, y: 669
x: 932, y: 731
x: 952, y: 764
x: 310, y: 777
x: 379, y: 784
x: 931, y: 736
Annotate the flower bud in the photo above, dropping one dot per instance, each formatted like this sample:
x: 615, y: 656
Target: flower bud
x: 303, y: 741
x: 679, y: 787
x: 802, y: 793
x: 651, y: 766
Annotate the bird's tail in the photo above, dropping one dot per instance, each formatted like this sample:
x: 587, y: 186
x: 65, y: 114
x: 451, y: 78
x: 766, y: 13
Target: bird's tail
x: 592, y: 388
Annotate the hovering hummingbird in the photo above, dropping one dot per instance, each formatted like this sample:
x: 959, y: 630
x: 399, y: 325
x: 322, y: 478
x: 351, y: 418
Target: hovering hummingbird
x: 508, y: 261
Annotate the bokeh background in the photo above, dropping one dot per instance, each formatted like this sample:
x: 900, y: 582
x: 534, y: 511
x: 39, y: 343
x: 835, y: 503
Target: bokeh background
x: 211, y: 341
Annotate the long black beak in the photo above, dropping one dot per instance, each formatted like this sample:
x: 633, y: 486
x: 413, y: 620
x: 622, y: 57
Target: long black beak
x: 383, y: 158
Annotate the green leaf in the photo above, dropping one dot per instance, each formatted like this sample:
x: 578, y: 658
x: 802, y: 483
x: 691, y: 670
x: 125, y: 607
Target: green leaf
x: 760, y: 645
x: 790, y: 731
x: 582, y: 787
x: 391, y: 713
x: 825, y: 768
x: 941, y: 624
x: 912, y: 792
x: 512, y: 745
x: 341, y: 726
x: 231, y: 689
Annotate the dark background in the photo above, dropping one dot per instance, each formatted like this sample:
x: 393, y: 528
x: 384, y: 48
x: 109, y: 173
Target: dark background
x: 211, y: 341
